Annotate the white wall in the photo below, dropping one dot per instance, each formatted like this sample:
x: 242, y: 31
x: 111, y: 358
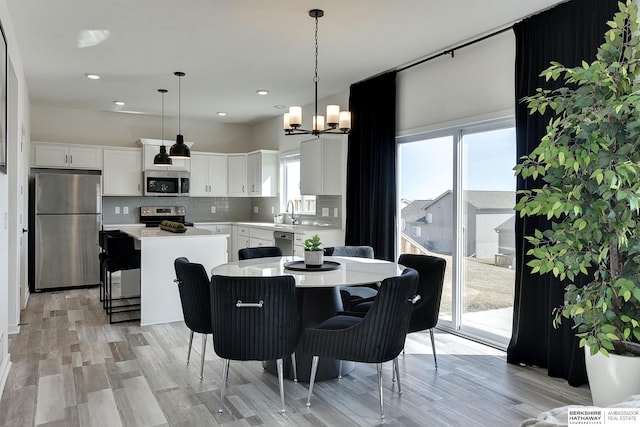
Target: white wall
x: 270, y: 134
x: 478, y: 82
x: 10, y: 186
x: 75, y: 126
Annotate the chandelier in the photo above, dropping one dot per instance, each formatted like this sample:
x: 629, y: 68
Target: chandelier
x: 338, y: 122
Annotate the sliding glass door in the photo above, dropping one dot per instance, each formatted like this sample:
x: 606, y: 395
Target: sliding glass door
x: 457, y: 193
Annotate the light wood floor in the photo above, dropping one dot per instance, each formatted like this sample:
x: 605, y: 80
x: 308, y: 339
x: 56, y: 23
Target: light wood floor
x: 71, y: 368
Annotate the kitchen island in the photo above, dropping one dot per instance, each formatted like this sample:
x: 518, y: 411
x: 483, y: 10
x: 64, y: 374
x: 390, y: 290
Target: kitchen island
x: 159, y: 297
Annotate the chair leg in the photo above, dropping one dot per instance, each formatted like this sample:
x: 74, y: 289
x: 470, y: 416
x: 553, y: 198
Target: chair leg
x: 433, y: 346
x: 340, y: 370
x: 379, y: 366
x: 225, y: 377
x: 294, y: 366
x: 312, y: 378
x: 396, y: 373
x: 110, y: 299
x: 281, y: 382
x: 204, y: 349
x: 189, y: 350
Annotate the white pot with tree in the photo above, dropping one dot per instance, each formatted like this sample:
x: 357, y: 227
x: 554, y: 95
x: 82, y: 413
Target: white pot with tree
x: 589, y: 163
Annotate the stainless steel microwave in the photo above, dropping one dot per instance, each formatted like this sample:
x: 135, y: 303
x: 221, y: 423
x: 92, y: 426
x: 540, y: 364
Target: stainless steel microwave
x: 166, y: 183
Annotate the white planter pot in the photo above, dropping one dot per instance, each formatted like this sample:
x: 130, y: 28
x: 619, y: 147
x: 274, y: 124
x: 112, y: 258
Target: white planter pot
x: 313, y: 258
x: 612, y: 379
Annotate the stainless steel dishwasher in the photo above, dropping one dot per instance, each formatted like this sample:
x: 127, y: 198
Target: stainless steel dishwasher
x: 284, y: 240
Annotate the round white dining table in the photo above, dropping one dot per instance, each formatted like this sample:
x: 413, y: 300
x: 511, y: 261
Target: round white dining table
x: 319, y: 297
x: 350, y: 272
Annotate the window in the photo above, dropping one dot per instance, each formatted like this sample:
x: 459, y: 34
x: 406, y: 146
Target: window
x: 290, y: 186
x: 457, y: 192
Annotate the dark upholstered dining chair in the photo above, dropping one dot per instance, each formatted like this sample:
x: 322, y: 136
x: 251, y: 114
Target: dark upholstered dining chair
x: 193, y: 286
x: 259, y: 252
x: 254, y: 318
x: 353, y: 295
x: 426, y: 311
x: 375, y: 338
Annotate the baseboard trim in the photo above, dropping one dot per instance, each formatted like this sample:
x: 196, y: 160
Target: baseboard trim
x: 4, y: 373
x: 14, y: 329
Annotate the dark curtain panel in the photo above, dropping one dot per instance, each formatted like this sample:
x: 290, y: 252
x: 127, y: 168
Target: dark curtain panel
x: 371, y: 166
x: 568, y: 33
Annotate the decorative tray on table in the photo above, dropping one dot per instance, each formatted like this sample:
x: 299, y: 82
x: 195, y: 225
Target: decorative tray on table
x: 301, y: 266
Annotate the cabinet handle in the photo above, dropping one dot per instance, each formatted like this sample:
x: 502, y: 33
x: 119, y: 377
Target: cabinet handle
x: 243, y: 188
x: 240, y: 304
x: 70, y: 158
x: 66, y: 158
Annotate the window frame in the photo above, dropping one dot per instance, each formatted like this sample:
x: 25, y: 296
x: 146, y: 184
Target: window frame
x: 293, y: 156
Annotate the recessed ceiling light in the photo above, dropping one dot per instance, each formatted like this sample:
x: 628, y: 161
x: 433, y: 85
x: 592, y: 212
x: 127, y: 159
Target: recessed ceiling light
x: 280, y: 106
x: 221, y: 113
x: 92, y: 76
x: 118, y: 103
x: 262, y: 92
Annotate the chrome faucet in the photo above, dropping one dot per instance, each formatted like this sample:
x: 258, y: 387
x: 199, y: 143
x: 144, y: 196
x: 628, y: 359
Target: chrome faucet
x: 293, y: 220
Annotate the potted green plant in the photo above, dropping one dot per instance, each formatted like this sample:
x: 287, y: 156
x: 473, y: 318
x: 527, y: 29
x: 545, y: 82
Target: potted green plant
x: 589, y: 164
x: 313, y: 252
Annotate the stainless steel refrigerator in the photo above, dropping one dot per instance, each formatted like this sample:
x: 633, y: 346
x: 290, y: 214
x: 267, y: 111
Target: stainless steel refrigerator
x: 65, y: 217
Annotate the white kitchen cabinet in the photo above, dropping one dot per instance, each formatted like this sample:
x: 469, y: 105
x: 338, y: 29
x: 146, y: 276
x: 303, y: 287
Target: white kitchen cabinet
x: 149, y: 151
x: 219, y: 229
x: 71, y: 156
x: 208, y: 175
x: 260, y: 237
x: 242, y: 239
x: 262, y: 173
x: 321, y: 168
x: 298, y: 244
x: 121, y: 173
x: 237, y: 175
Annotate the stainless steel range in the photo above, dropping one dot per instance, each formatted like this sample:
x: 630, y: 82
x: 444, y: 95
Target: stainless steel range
x: 152, y: 216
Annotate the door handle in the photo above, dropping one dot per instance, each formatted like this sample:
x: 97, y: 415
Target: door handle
x: 24, y: 230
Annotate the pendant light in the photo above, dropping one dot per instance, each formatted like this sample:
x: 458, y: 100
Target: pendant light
x: 162, y: 158
x: 179, y: 150
x: 338, y: 122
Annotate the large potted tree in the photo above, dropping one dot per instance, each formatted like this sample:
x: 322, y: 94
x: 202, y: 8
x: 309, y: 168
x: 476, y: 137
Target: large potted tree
x: 588, y: 163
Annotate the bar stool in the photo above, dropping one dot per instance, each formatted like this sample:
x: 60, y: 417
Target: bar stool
x: 102, y: 257
x: 121, y: 256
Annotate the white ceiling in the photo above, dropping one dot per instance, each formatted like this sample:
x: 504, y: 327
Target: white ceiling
x: 231, y: 48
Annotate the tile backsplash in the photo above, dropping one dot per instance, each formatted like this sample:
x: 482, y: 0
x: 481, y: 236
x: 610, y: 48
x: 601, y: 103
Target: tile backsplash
x: 219, y: 209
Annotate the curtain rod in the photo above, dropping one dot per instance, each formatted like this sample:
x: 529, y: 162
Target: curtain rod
x: 452, y: 50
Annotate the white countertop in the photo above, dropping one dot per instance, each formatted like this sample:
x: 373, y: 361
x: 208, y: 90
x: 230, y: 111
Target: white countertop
x: 264, y: 225
x: 157, y: 233
x: 286, y: 227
